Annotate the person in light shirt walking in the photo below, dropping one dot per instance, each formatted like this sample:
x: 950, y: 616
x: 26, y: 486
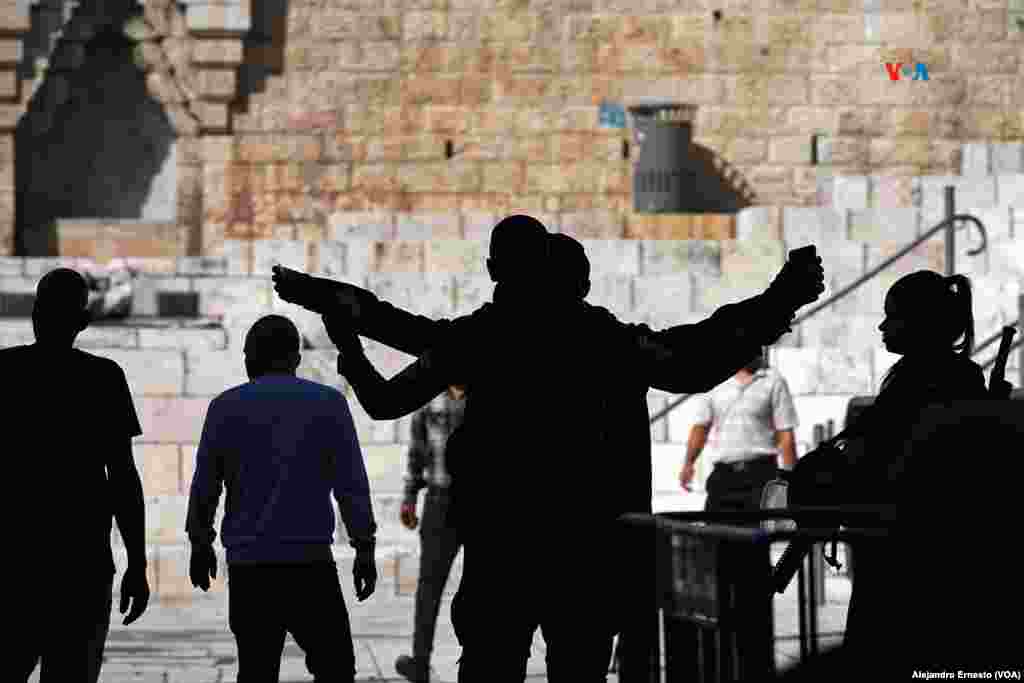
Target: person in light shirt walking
x: 749, y: 421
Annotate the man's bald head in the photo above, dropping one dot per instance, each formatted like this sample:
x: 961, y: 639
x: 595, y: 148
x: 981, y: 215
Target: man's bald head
x: 518, y: 249
x: 272, y: 345
x: 60, y: 310
x: 570, y: 267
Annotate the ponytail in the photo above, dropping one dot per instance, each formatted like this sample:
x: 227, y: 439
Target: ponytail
x: 962, y: 313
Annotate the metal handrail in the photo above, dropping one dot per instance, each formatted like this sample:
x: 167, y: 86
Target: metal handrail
x: 861, y: 280
x: 995, y: 337
x: 991, y: 361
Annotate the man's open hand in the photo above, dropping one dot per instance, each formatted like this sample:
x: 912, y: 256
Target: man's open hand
x: 134, y: 590
x: 364, y: 574
x: 202, y: 566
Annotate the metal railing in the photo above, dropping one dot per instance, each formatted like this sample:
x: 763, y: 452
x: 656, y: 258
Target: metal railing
x: 713, y: 596
x: 948, y: 224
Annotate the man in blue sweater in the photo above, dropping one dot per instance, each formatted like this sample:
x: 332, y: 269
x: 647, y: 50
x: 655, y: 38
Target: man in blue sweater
x: 280, y: 444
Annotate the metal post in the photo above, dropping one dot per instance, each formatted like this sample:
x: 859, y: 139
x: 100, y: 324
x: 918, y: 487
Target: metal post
x: 950, y: 231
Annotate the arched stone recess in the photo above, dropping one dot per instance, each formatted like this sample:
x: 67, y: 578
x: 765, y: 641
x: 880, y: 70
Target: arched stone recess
x: 186, y: 58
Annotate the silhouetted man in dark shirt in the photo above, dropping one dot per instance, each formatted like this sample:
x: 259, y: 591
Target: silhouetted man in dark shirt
x: 625, y: 360
x: 69, y: 422
x: 279, y: 446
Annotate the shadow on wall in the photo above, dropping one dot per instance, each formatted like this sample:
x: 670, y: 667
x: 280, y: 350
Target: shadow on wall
x: 263, y: 49
x: 93, y: 143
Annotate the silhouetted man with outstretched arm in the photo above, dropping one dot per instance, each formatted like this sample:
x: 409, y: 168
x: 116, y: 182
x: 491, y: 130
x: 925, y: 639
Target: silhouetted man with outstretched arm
x: 676, y: 360
x: 281, y: 445
x: 69, y: 422
x: 620, y: 360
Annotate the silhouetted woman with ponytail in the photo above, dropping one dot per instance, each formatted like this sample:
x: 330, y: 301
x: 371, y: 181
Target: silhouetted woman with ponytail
x: 929, y: 322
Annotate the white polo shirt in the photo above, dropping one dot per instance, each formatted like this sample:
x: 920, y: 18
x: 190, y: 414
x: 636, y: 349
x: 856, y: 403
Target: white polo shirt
x: 743, y: 419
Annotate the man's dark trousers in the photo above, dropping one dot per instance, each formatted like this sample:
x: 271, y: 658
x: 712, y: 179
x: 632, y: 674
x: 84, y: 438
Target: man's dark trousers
x: 738, y: 486
x: 439, y: 544
x: 499, y: 607
x: 64, y: 634
x: 266, y: 601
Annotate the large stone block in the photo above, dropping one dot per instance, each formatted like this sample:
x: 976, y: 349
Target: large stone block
x: 161, y: 469
x: 892, y: 191
x: 875, y: 226
x: 229, y: 297
x: 456, y: 256
x: 810, y: 225
x: 835, y: 330
x: 752, y: 263
x: 369, y: 225
x: 11, y: 266
x: 1011, y: 189
x: 149, y: 372
x: 430, y: 294
x: 759, y: 222
x: 165, y: 518
x: 1006, y: 260
x: 662, y: 257
x: 976, y: 159
x: 975, y: 192
x: 108, y: 337
x: 171, y: 419
x: 16, y: 332
x: 801, y: 367
x: 1007, y: 157
x: 663, y: 294
x: 289, y: 253
x: 395, y: 256
x: 36, y: 267
x: 612, y: 257
x: 327, y: 259
x: 592, y: 225
x: 477, y: 225
x: 212, y: 372
x: 182, y: 339
x: 429, y: 226
x: 994, y: 302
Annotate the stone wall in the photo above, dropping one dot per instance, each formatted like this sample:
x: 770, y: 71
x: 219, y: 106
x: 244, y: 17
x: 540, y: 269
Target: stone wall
x: 348, y: 106
x: 175, y: 370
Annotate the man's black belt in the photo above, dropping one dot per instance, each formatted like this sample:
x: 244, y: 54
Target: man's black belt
x: 744, y: 464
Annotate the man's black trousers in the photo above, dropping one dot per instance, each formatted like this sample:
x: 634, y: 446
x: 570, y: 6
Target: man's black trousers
x: 267, y: 601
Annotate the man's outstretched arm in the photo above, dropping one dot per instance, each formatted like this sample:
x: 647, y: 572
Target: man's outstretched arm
x: 696, y: 358
x: 364, y: 312
x: 386, y: 399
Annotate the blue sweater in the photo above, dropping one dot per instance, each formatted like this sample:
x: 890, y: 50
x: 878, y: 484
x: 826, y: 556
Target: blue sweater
x: 279, y: 445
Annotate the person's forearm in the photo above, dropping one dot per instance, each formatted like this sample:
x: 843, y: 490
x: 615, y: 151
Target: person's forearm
x: 130, y: 514
x: 202, y: 510
x: 787, y: 453
x: 413, y: 480
x: 693, y: 451
x: 391, y: 399
x: 407, y: 332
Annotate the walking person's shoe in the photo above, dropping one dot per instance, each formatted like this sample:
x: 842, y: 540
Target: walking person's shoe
x: 415, y: 669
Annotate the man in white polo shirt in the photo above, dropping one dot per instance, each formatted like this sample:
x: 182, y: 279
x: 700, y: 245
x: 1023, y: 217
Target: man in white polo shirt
x: 748, y: 420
